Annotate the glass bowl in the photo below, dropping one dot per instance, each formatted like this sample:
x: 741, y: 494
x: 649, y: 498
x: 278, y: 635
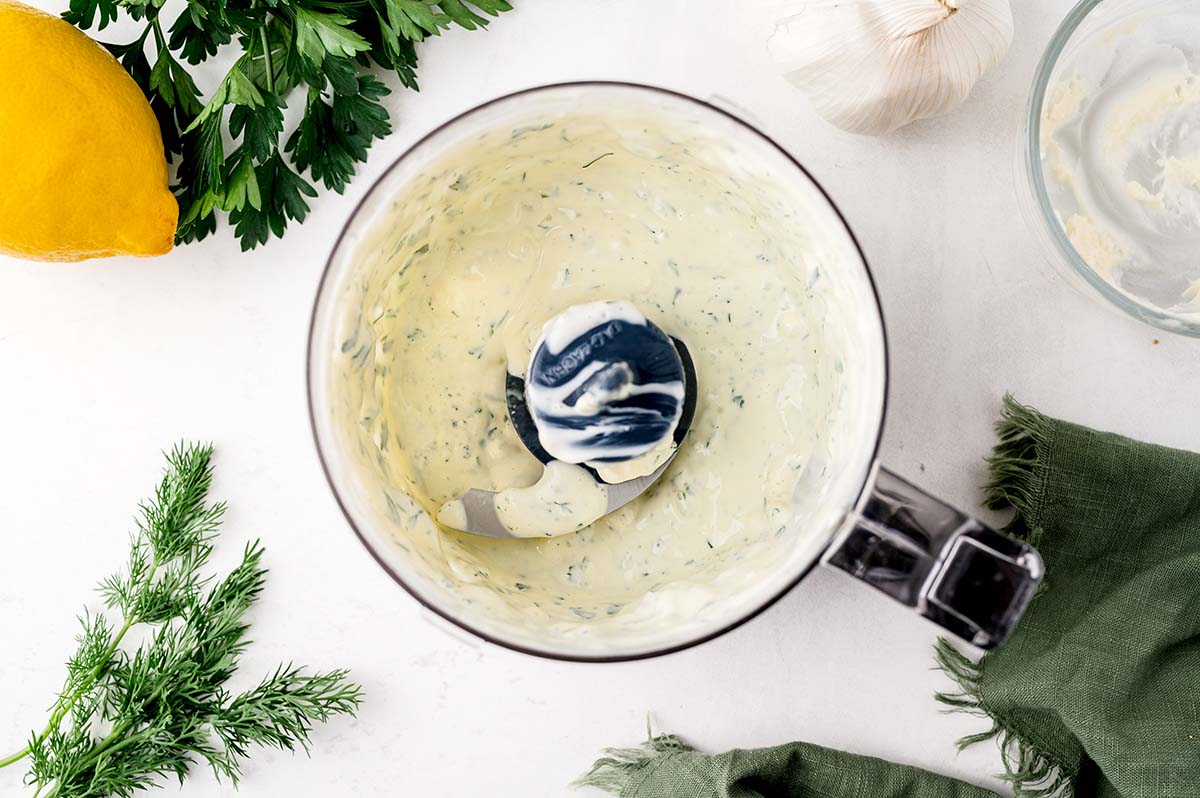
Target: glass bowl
x: 1112, y: 19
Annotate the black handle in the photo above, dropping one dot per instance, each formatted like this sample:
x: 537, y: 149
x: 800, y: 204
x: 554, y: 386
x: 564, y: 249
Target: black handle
x: 959, y: 573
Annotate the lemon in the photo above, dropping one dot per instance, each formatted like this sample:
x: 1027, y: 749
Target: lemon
x: 82, y: 170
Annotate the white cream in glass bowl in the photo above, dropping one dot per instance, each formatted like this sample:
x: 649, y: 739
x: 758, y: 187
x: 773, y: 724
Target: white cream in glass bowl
x: 1113, y: 155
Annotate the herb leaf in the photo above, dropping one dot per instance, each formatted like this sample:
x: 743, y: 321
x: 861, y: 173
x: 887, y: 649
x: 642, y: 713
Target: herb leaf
x: 462, y: 15
x: 282, y: 194
x: 200, y: 32
x: 83, y: 13
x: 414, y: 19
x: 318, y: 34
x: 174, y: 85
x: 325, y: 48
x: 333, y: 136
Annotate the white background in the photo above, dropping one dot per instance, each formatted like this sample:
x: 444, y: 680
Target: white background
x: 104, y: 364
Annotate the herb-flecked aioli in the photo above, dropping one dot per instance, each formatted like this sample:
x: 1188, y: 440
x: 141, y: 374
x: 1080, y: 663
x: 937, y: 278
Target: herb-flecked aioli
x: 455, y: 282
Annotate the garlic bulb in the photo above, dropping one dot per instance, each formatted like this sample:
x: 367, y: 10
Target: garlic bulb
x: 870, y: 66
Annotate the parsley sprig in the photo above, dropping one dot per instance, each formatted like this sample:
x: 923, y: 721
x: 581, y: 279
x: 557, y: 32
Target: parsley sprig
x: 127, y: 716
x: 320, y: 49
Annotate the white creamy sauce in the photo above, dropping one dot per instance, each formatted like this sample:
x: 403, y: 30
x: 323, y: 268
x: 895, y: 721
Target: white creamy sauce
x: 635, y: 467
x: 575, y: 321
x: 453, y: 514
x: 1120, y: 143
x: 511, y: 228
x: 566, y: 499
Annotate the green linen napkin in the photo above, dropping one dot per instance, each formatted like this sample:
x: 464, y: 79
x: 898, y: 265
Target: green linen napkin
x: 1096, y: 695
x: 664, y: 767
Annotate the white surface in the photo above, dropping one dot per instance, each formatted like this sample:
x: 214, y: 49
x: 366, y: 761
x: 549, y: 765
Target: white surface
x: 106, y: 363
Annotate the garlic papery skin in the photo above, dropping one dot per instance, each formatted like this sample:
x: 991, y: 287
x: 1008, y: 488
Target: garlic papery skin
x: 870, y: 66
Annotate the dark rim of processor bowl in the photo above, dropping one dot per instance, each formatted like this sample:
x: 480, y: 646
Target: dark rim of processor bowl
x: 325, y: 467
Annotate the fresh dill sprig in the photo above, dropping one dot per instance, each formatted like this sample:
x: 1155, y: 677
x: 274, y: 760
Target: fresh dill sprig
x: 319, y: 49
x: 125, y: 716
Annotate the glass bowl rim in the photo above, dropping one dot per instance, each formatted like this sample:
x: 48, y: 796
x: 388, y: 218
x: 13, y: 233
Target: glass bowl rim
x: 1047, y: 216
x: 310, y: 357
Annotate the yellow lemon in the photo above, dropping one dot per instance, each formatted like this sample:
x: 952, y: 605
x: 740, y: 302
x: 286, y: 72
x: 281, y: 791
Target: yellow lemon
x: 82, y: 171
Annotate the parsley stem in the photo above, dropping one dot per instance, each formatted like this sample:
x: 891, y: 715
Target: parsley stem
x: 269, y: 68
x: 159, y: 40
